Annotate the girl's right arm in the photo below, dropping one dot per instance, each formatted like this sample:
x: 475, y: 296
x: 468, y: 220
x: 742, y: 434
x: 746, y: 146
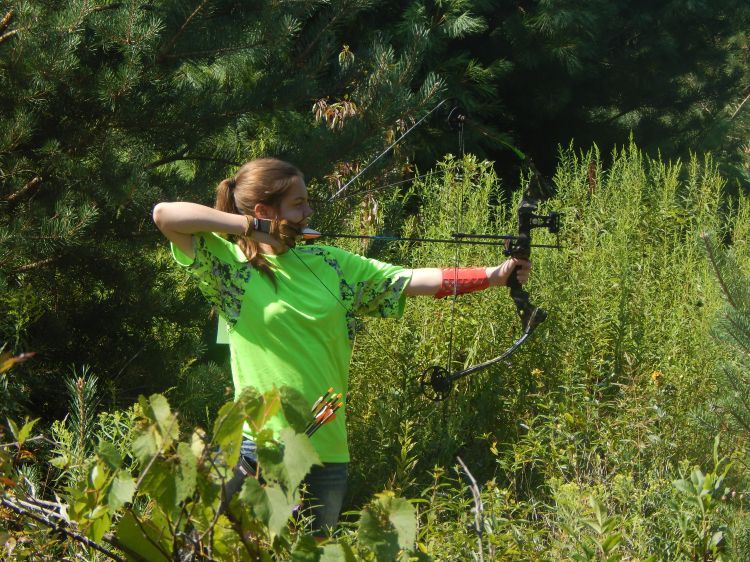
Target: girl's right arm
x: 179, y: 221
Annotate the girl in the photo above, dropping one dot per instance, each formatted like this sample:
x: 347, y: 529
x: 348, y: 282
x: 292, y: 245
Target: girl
x: 292, y: 311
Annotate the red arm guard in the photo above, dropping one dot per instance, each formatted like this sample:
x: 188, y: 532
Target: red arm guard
x: 468, y: 279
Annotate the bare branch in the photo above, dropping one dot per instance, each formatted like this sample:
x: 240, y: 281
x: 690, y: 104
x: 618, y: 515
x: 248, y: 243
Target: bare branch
x: 36, y: 180
x: 39, y: 518
x: 36, y: 264
x: 736, y: 111
x: 478, y: 508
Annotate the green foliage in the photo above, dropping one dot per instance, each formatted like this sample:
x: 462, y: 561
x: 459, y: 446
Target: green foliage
x: 587, y: 447
x: 157, y: 497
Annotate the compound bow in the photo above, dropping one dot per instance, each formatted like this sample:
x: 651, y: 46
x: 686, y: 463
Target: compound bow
x: 437, y: 381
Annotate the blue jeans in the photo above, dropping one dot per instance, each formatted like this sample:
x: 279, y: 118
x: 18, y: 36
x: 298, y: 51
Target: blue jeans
x: 326, y: 487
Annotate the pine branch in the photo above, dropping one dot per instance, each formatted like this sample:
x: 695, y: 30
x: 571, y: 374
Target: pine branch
x: 183, y: 157
x: 740, y: 391
x: 182, y: 29
x: 36, y: 180
x: 8, y: 35
x: 6, y: 20
x: 717, y: 271
x: 209, y: 52
x: 39, y: 518
x: 36, y: 264
x: 301, y: 57
x: 114, y: 6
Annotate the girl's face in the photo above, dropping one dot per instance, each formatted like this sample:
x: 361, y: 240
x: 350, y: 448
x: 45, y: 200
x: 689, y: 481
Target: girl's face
x: 295, y: 206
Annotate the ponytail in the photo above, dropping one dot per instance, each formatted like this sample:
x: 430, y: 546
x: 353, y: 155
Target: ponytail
x: 225, y: 202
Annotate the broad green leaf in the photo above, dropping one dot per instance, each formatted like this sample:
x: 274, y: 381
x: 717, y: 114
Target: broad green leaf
x: 594, y: 526
x: 611, y: 542
x: 98, y: 476
x: 23, y: 434
x: 254, y: 497
x: 227, y: 544
x: 61, y: 462
x: 268, y: 504
x: 141, y: 539
x: 295, y: 408
x: 299, y: 456
x: 269, y: 407
x: 228, y: 431
x: 340, y: 552
x: 271, y: 460
x: 685, y: 486
x: 99, y: 526
x: 402, y: 516
x: 164, y: 418
x: 306, y: 549
x: 388, y: 525
x: 209, y: 490
x: 280, y: 507
x: 110, y: 454
x: 381, y: 540
x: 144, y: 445
x: 185, y: 478
x: 121, y: 491
x: 159, y: 483
x: 13, y: 428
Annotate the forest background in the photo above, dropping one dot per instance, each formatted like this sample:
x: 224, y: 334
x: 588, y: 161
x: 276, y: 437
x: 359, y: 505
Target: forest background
x: 636, y: 112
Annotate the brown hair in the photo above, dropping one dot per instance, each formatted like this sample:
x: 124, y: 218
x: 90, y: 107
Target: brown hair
x: 265, y: 180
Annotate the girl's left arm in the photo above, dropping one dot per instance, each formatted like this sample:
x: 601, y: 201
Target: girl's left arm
x: 429, y: 280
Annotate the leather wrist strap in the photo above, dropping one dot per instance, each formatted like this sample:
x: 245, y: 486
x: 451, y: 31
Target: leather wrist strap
x: 256, y: 224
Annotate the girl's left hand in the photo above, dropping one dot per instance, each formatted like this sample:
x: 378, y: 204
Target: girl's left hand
x: 501, y: 274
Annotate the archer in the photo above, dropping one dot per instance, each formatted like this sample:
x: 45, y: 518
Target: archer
x: 291, y: 310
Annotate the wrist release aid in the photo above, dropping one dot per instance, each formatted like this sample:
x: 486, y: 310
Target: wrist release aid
x: 462, y: 280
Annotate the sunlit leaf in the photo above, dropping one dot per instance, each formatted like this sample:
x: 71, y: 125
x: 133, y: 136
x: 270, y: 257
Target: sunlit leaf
x: 144, y: 445
x: 280, y: 508
x: 144, y: 539
x: 186, y: 476
x: 121, y: 491
x: 24, y: 432
x: 228, y: 431
x: 110, y: 454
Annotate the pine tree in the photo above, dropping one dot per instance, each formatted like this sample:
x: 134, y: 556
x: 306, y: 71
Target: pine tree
x: 109, y: 107
x: 671, y: 72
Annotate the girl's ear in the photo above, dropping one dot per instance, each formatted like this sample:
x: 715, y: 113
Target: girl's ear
x: 263, y: 211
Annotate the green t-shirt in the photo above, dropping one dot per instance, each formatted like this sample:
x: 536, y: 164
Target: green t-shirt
x: 299, y: 334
